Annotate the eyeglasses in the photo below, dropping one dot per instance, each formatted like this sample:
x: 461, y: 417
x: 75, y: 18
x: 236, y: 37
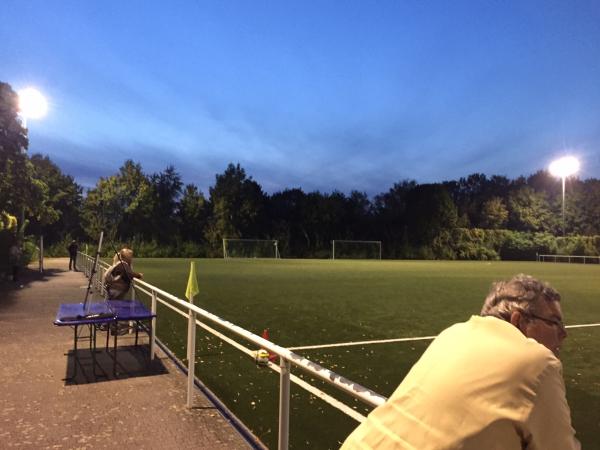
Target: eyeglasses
x: 555, y: 322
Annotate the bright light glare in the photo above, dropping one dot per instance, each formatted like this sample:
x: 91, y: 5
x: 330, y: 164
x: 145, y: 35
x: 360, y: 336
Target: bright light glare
x: 564, y: 167
x: 32, y: 103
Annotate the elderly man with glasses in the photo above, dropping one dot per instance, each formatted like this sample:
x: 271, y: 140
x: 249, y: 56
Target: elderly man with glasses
x: 493, y: 382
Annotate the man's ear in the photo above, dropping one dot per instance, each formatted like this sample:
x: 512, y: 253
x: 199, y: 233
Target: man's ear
x: 516, y: 318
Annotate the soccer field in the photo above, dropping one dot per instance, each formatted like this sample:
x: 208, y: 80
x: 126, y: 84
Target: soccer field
x: 316, y: 302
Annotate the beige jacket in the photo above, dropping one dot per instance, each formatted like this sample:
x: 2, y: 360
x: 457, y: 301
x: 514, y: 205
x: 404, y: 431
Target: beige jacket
x: 481, y: 385
x: 117, y: 280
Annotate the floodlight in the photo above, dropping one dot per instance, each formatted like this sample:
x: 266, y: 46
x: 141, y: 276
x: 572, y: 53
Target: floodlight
x: 564, y: 167
x: 32, y: 104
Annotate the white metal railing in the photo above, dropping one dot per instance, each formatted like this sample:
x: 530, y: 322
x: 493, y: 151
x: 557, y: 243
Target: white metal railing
x: 197, y: 317
x: 568, y: 258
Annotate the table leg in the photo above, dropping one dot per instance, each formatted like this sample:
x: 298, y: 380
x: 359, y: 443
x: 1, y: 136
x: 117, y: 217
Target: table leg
x: 151, y: 335
x: 93, y: 347
x: 75, y: 356
x: 116, y: 323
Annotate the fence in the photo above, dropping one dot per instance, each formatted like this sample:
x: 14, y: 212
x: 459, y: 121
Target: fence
x: 287, y: 358
x: 568, y: 259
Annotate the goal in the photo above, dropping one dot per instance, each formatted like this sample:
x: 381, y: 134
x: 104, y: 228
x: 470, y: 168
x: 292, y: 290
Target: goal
x: 355, y: 249
x: 568, y: 259
x: 250, y: 248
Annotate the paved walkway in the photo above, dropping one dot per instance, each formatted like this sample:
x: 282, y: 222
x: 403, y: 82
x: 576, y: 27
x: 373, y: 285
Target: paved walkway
x: 39, y: 408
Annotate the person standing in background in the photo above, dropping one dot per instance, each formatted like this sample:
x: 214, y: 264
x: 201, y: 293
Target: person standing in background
x: 72, y: 248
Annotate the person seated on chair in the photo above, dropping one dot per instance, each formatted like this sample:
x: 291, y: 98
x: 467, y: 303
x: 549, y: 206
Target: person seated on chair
x: 118, y: 277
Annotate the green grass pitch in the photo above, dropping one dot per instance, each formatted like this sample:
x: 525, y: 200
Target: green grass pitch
x: 308, y: 302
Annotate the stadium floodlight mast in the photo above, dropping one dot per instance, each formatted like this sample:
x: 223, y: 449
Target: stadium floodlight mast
x: 563, y: 168
x: 32, y: 105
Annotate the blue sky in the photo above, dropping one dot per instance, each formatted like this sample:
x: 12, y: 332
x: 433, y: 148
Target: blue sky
x: 319, y: 95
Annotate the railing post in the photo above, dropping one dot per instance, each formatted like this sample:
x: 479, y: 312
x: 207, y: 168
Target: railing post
x: 191, y: 354
x: 284, y: 404
x: 41, y: 254
x: 153, y: 325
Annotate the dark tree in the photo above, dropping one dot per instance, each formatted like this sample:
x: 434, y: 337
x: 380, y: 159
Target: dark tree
x: 286, y: 211
x: 193, y: 214
x: 390, y: 217
x: 237, y: 207
x: 167, y: 190
x: 429, y: 210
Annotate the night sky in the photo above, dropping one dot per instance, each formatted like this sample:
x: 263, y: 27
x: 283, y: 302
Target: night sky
x: 319, y: 95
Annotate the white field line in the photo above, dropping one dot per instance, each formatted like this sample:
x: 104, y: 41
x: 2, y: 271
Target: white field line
x: 387, y: 341
x: 353, y: 343
x: 583, y: 325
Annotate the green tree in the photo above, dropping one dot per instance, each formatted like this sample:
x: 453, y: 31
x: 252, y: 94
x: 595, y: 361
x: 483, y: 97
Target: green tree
x: 103, y: 209
x: 494, y: 213
x: 589, y: 205
x: 21, y: 193
x: 530, y: 211
x: 138, y: 201
x: 63, y: 204
x: 122, y: 205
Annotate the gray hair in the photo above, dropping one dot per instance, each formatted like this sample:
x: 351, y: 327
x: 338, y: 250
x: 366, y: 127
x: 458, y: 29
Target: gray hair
x: 520, y: 293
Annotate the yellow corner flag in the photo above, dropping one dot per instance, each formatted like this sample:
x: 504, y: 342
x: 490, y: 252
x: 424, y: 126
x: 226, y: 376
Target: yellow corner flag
x: 192, y: 286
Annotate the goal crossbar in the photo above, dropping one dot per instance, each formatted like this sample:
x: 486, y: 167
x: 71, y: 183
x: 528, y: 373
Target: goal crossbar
x: 251, y: 248
x: 376, y: 254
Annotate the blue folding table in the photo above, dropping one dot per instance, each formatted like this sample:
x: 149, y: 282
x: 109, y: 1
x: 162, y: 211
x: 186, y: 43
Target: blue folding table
x: 103, y: 315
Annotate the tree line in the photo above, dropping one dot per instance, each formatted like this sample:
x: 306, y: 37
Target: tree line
x: 475, y: 217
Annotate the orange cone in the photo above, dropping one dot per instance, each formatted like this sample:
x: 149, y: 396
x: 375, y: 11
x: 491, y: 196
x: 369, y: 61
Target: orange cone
x: 265, y: 335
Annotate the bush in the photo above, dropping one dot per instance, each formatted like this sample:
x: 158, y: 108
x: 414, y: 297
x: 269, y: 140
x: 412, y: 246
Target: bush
x: 578, y: 245
x: 59, y: 249
x: 30, y: 252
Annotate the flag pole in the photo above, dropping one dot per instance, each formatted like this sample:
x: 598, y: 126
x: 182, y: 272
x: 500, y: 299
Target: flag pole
x: 191, y: 291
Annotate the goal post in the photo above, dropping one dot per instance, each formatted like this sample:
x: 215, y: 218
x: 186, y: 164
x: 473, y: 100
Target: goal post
x: 251, y: 248
x: 347, y: 249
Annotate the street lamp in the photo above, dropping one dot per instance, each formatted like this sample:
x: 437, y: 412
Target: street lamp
x: 32, y: 105
x: 563, y: 168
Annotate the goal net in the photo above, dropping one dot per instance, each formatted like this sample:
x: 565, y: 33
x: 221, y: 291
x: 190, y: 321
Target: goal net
x: 250, y: 248
x: 355, y: 249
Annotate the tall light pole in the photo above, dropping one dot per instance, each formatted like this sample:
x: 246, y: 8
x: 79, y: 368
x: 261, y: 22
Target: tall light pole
x: 32, y: 105
x: 563, y: 168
